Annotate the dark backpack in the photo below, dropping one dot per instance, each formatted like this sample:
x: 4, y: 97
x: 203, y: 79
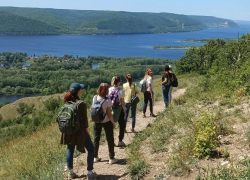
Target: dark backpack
x: 175, y: 81
x: 113, y: 95
x: 96, y: 110
x: 67, y: 118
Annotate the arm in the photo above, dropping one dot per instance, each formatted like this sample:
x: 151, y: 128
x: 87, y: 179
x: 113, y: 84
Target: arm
x: 150, y: 90
x: 136, y: 89
x: 123, y: 105
x: 165, y: 81
x: 109, y: 114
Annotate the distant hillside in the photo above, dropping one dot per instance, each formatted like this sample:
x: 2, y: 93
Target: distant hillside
x: 34, y: 21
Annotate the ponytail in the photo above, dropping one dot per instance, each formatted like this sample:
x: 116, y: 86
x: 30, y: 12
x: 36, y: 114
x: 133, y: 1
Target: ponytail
x: 129, y: 79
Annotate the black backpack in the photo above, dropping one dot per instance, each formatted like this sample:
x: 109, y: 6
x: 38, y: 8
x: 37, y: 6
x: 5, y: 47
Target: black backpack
x: 67, y: 118
x: 175, y: 82
x: 96, y: 110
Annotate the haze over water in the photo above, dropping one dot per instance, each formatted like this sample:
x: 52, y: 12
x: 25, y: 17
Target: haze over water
x: 130, y: 45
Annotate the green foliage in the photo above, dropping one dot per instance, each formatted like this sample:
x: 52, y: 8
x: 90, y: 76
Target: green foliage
x: 52, y: 104
x: 176, y: 166
x: 205, y: 136
x: 24, y: 109
x: 50, y: 75
x: 36, y: 21
x: 137, y: 170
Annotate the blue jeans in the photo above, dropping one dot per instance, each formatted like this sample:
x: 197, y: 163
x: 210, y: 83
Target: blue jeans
x: 133, y: 111
x: 165, y: 91
x: 90, y: 157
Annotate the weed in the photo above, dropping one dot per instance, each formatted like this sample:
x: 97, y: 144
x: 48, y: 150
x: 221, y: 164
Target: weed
x: 176, y: 166
x: 137, y: 169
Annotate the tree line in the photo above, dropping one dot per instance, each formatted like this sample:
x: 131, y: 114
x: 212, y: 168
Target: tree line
x: 50, y: 75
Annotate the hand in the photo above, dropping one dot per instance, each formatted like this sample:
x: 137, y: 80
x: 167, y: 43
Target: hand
x: 113, y: 125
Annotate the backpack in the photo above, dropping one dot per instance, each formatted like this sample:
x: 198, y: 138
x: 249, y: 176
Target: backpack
x: 175, y: 82
x: 142, y: 86
x: 96, y: 110
x: 113, y: 95
x: 67, y: 118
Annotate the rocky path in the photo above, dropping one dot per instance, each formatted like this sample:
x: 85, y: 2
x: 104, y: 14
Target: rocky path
x: 118, y: 171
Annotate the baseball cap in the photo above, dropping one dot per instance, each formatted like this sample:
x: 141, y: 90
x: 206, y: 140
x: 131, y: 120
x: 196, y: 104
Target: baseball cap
x: 75, y: 87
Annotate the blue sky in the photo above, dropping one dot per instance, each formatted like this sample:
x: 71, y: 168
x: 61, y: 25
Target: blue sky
x: 229, y: 9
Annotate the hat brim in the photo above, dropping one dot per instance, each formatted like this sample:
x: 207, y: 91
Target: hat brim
x: 82, y: 86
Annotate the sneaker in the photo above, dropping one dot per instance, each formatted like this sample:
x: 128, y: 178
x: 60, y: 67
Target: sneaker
x: 121, y: 144
x: 72, y: 174
x: 113, y: 161
x: 91, y: 176
x: 97, y: 159
x: 133, y: 130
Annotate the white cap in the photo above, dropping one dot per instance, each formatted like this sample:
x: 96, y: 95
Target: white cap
x: 169, y: 66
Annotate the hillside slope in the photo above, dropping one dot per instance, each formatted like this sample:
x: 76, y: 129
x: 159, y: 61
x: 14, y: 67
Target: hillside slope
x: 63, y: 21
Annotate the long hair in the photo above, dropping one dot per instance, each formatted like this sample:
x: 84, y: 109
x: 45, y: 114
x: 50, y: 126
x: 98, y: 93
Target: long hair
x: 129, y: 79
x: 147, y: 73
x: 115, y: 80
x: 70, y: 96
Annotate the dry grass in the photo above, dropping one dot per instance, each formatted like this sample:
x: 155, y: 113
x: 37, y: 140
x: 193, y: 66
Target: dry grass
x: 10, y: 110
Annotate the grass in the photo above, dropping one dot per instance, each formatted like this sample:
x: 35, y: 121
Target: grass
x: 37, y: 156
x: 177, y: 125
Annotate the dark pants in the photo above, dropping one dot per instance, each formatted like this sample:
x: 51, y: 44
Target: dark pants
x: 121, y: 125
x: 90, y: 157
x: 147, y: 97
x: 109, y: 132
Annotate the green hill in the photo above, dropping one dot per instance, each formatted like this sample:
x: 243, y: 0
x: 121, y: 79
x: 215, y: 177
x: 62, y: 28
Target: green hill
x: 33, y: 21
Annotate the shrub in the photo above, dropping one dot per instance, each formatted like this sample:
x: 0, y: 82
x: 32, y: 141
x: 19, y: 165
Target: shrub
x: 205, y: 136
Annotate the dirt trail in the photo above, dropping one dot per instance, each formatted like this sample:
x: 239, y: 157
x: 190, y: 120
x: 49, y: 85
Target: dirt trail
x: 118, y: 171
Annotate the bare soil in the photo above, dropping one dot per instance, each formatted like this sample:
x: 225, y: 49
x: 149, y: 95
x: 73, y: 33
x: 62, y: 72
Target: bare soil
x: 119, y: 170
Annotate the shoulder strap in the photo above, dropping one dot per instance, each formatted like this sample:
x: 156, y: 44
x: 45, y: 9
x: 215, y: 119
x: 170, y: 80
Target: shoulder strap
x: 102, y: 101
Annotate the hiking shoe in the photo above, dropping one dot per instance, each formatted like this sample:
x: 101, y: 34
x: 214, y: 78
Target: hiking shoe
x: 113, y: 161
x: 72, y: 175
x: 91, y: 176
x: 97, y: 159
x: 121, y: 144
x: 152, y: 115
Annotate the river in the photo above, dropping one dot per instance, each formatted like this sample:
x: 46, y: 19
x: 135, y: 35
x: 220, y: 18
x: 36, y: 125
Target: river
x: 128, y: 45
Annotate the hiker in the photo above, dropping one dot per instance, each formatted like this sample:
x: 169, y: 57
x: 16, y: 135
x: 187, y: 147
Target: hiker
x: 116, y: 95
x: 108, y: 124
x: 171, y: 87
x: 130, y: 89
x: 149, y: 93
x: 166, y: 84
x: 81, y: 138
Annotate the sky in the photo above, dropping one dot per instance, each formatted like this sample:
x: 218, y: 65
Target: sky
x: 228, y: 9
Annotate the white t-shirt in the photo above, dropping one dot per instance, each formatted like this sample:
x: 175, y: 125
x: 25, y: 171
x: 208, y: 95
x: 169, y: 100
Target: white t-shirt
x: 149, y: 80
x: 121, y: 93
x: 107, y: 103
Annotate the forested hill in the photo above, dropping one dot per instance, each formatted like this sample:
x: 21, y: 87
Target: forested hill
x: 36, y: 21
